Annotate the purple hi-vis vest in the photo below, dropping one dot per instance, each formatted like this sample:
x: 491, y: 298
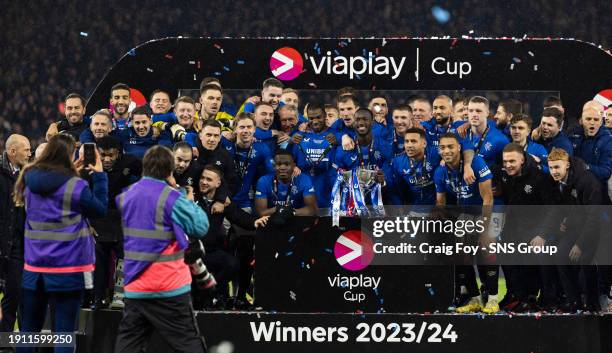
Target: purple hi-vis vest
x: 57, y: 237
x: 148, y: 229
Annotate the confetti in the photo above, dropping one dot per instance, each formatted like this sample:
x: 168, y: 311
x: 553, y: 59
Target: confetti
x: 194, y: 77
x: 376, y: 50
x: 358, y: 77
x: 440, y: 14
x: 312, y: 261
x: 149, y: 69
x: 226, y: 68
x: 535, y: 67
x: 311, y: 84
x: 289, y: 253
x: 316, y: 45
x: 292, y: 295
x: 192, y: 62
x: 329, y: 250
x: 486, y: 53
x: 319, y: 51
x: 84, y: 34
x: 217, y: 73
x: 365, y: 53
x: 302, y: 264
x: 337, y: 52
x: 454, y: 42
x: 512, y: 66
x: 291, y: 238
x: 276, y: 255
x: 471, y: 31
x: 240, y: 62
x: 381, y: 300
x: 516, y: 60
x: 132, y: 52
x: 464, y: 37
x: 384, y: 42
x: 168, y: 56
x: 531, y: 53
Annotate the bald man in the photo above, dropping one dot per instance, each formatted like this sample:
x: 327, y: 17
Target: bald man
x: 593, y: 143
x: 12, y: 221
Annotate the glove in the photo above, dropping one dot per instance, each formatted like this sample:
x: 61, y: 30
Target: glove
x: 178, y: 132
x: 194, y: 252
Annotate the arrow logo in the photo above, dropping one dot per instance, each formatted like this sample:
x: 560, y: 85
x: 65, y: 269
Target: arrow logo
x: 286, y: 63
x: 353, y: 250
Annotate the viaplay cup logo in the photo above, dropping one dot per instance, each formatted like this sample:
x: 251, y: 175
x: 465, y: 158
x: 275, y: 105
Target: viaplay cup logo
x: 354, y: 250
x: 286, y: 64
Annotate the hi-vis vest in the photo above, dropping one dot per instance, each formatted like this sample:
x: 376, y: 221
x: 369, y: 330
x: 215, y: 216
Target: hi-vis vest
x: 57, y: 237
x: 152, y: 240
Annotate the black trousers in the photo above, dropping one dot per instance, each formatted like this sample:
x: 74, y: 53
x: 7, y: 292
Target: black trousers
x: 245, y: 253
x: 574, y: 284
x: 12, y: 295
x: 173, y: 319
x: 223, y: 265
x: 523, y: 281
x: 107, y: 254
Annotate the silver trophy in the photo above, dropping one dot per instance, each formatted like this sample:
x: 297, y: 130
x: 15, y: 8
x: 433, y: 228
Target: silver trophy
x: 366, y: 177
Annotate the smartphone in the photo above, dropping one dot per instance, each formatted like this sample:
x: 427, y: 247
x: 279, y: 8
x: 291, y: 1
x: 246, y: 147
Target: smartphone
x: 89, y: 154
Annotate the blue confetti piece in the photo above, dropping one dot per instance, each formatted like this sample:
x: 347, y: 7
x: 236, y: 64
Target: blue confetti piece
x: 319, y: 51
x: 84, y: 34
x: 516, y: 60
x: 382, y: 300
x: 431, y: 292
x: 440, y: 14
x: 217, y: 73
x: 365, y: 52
x: 289, y: 253
x: 316, y: 45
x: 291, y: 238
x: 132, y: 52
x: 486, y: 53
x: 337, y: 52
x: 358, y: 77
x: 329, y: 250
x: 376, y: 291
x: 240, y: 62
x: 226, y: 68
x: 302, y: 264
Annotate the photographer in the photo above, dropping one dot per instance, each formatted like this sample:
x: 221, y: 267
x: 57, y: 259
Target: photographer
x: 58, y: 242
x: 122, y: 170
x: 222, y: 264
x: 156, y: 220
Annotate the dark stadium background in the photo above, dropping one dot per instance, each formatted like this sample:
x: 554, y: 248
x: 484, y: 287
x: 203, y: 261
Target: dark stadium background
x: 52, y: 47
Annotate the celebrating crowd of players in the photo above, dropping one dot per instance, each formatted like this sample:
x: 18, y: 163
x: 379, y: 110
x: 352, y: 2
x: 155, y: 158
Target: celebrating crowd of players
x: 270, y: 161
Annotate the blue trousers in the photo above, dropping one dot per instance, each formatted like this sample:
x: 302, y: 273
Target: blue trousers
x: 65, y: 305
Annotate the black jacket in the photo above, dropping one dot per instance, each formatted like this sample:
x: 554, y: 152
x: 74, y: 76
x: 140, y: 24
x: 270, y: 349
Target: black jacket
x: 524, y: 196
x: 126, y: 171
x: 582, y: 223
x: 12, y: 219
x: 224, y: 161
x: 215, y: 238
x: 191, y: 175
x: 63, y: 126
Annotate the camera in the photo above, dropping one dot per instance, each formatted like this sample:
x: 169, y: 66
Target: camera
x: 193, y: 257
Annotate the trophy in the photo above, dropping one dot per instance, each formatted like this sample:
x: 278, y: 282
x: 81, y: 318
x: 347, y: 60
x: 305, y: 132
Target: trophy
x: 366, y: 177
